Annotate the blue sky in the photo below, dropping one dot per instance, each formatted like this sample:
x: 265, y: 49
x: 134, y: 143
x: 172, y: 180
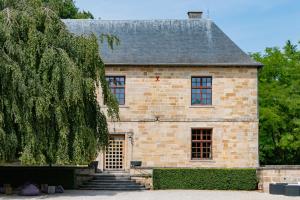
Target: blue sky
x: 251, y: 24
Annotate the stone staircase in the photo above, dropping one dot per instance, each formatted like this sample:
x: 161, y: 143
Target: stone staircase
x: 111, y: 181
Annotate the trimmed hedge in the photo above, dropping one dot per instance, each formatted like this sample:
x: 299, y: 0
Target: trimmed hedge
x: 205, y: 179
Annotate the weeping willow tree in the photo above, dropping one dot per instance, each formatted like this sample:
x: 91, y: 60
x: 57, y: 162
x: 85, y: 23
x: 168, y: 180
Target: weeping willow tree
x: 48, y: 80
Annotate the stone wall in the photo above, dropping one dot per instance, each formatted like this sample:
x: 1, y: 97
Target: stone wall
x: 158, y: 116
x: 82, y: 175
x: 277, y: 174
x: 234, y: 93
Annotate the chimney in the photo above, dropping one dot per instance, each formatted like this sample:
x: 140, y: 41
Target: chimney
x: 195, y: 14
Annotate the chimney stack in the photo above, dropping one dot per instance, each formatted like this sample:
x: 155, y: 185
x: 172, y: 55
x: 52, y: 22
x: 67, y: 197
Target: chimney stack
x: 195, y: 14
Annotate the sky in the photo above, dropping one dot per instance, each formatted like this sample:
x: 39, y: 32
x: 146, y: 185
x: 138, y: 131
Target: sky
x: 252, y: 24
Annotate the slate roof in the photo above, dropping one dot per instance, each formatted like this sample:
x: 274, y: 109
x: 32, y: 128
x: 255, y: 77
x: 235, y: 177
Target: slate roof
x: 191, y: 42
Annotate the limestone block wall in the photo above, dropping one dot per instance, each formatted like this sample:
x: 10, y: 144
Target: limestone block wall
x: 159, y: 115
x: 168, y: 144
x: 277, y: 174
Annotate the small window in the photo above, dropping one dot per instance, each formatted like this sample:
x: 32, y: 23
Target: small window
x: 117, y: 87
x: 201, y: 144
x: 201, y: 90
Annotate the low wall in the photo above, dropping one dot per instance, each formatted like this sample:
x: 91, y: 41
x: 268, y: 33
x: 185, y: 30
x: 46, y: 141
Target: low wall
x: 55, y: 175
x: 72, y: 177
x: 83, y: 175
x: 277, y: 174
x: 142, y: 176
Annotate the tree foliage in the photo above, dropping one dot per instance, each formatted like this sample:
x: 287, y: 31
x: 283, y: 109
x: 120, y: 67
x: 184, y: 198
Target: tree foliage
x: 279, y: 100
x: 48, y: 107
x: 66, y: 9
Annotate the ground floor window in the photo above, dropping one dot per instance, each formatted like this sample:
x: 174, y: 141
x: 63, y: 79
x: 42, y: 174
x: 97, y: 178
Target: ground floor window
x: 201, y: 144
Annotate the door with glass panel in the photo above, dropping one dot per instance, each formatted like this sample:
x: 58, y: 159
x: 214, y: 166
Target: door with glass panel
x: 114, y: 154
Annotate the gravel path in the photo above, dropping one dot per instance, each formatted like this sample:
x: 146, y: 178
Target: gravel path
x: 158, y: 195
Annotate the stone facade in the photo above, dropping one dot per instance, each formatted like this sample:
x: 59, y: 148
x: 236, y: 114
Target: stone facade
x: 157, y: 117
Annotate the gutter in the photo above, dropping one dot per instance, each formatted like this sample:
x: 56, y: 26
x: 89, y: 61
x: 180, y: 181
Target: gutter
x: 258, y: 65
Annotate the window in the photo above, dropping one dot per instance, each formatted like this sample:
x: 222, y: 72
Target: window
x: 201, y: 90
x: 117, y: 87
x: 201, y: 144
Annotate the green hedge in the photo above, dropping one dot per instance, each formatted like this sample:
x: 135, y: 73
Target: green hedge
x: 205, y: 179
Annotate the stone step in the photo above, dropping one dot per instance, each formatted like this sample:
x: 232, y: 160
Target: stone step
x: 110, y: 182
x: 114, y: 172
x: 136, y: 186
x: 118, y: 189
x: 111, y: 186
x: 111, y: 175
x: 104, y: 181
x: 111, y: 178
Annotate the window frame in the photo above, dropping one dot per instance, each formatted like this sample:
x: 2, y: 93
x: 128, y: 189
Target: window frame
x: 117, y: 87
x: 200, y: 88
x: 201, y: 142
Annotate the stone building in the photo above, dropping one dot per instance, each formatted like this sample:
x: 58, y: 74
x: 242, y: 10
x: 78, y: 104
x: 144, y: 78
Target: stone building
x: 187, y: 94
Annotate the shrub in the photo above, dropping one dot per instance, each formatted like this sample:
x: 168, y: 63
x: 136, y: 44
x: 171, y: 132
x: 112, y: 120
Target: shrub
x: 205, y: 179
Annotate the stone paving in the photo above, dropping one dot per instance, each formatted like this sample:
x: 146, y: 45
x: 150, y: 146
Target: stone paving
x: 158, y: 195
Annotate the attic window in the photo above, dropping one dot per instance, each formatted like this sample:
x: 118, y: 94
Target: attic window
x: 201, y: 91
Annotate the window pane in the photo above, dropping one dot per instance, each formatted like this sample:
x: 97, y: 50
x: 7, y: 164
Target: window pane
x: 208, y: 100
x: 194, y: 91
x: 204, y: 82
x: 194, y: 137
x: 208, y: 137
x: 196, y: 79
x: 196, y: 96
x: 209, y: 82
x: 121, y: 101
x: 119, y: 91
x: 110, y: 82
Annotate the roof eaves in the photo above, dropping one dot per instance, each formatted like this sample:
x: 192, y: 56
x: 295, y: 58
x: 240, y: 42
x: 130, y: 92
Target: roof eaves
x: 189, y: 64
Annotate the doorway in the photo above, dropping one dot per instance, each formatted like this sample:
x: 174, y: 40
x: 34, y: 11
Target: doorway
x: 114, y: 154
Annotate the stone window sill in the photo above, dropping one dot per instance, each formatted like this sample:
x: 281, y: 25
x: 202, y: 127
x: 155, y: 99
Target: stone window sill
x: 123, y: 106
x: 120, y: 106
x: 207, y: 161
x: 202, y: 106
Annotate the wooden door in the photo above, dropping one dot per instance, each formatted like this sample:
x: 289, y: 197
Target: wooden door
x: 114, y: 155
